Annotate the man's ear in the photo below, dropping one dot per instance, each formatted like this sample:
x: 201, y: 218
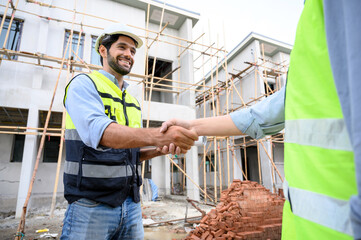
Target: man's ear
x: 103, y: 51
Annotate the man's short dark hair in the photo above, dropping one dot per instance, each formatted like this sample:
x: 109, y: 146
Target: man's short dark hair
x: 108, y: 41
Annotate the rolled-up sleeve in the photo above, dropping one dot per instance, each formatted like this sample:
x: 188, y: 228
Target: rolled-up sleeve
x: 86, y: 110
x: 264, y: 118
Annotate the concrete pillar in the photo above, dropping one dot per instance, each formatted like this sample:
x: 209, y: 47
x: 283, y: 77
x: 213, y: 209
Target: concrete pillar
x: 257, y: 54
x: 192, y: 172
x: 186, y: 61
x: 187, y: 98
x: 161, y: 174
x: 29, y: 157
x: 237, y: 172
x: 266, y: 166
x: 166, y: 174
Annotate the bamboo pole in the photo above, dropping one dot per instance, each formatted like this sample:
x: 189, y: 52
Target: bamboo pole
x: 60, y: 154
x: 245, y: 157
x: 220, y: 167
x: 204, y: 146
x: 271, y: 161
x: 189, y: 45
x: 218, y: 113
x: 53, y: 201
x: 144, y: 92
x: 11, y: 21
x: 89, y: 67
x: 214, y: 140
x: 54, y: 19
x: 259, y: 164
x: 178, y: 58
x: 171, y: 179
x: 184, y: 169
x: 239, y: 165
x: 185, y: 174
x: 202, y: 53
x: 153, y: 68
x: 31, y: 133
x: 69, y: 10
x: 23, y: 214
x: 4, y: 16
x: 178, y: 38
x: 227, y: 104
x: 255, y: 76
x: 273, y: 172
x: 30, y: 128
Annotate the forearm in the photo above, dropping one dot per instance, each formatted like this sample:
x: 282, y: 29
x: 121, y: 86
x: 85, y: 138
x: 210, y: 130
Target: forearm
x: 118, y: 136
x: 215, y: 126
x: 148, y: 153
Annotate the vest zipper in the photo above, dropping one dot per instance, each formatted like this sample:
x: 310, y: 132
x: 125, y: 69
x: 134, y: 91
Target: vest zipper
x: 125, y: 109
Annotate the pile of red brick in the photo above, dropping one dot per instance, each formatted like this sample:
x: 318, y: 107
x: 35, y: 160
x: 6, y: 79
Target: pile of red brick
x: 246, y: 210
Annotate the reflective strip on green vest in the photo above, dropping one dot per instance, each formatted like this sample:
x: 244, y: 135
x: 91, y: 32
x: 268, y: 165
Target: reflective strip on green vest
x: 318, y: 208
x: 319, y: 165
x: 325, y: 133
x: 99, y: 171
x: 72, y: 134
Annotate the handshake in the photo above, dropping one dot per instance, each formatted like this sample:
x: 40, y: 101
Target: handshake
x: 176, y: 137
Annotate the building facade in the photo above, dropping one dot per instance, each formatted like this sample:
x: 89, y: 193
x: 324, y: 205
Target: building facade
x: 255, y: 68
x: 31, y: 64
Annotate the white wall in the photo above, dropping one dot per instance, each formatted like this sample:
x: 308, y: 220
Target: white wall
x: 31, y: 87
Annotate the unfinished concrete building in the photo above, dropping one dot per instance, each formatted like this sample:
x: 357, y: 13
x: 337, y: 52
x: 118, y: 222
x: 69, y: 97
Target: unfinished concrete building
x: 253, y: 70
x: 32, y: 60
x: 36, y: 65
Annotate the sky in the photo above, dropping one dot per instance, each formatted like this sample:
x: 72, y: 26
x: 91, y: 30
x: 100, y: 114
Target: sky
x: 273, y: 18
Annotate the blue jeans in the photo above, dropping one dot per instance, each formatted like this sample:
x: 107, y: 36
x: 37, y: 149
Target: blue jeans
x: 86, y: 219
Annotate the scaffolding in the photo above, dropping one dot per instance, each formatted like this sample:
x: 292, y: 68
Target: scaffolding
x: 209, y: 90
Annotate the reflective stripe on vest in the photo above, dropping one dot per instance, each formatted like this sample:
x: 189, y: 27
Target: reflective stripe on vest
x: 72, y: 134
x: 319, y: 163
x: 99, y: 171
x: 325, y: 133
x: 322, y: 209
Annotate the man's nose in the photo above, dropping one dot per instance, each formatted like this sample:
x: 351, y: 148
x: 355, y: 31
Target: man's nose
x: 127, y: 53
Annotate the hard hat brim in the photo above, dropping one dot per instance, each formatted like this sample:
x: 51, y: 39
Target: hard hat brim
x: 138, y: 41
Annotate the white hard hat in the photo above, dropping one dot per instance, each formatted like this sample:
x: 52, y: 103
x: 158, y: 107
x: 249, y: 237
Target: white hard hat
x: 118, y: 28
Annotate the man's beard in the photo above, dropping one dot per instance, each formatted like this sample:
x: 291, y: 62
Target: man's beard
x: 113, y: 63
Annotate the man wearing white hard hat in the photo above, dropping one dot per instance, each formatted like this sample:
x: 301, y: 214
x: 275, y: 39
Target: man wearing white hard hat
x: 103, y: 138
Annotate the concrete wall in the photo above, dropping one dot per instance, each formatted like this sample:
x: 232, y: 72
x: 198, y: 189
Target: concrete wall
x: 250, y: 86
x: 31, y: 87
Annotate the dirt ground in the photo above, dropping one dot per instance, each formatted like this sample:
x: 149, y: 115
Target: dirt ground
x: 168, y: 208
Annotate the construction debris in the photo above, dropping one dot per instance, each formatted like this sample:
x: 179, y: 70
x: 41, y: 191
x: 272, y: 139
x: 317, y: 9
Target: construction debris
x: 246, y: 210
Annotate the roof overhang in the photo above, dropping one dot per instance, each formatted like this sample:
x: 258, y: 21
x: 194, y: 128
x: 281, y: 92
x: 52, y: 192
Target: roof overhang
x: 271, y: 47
x: 172, y: 14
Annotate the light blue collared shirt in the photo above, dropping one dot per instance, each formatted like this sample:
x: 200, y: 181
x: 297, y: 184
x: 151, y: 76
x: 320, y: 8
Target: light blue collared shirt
x: 264, y: 118
x: 86, y: 108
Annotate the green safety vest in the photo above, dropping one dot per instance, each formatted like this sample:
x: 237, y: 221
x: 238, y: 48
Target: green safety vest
x: 118, y: 105
x: 319, y: 161
x: 105, y: 176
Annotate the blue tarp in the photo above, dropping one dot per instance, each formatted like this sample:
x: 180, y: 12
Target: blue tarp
x: 154, y: 190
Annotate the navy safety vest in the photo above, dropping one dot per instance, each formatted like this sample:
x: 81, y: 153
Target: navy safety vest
x: 107, y: 176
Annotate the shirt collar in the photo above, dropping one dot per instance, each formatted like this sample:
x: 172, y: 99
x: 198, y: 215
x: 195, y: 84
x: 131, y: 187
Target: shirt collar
x: 113, y: 79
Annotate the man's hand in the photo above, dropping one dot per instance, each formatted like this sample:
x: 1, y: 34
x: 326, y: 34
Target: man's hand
x: 176, y: 140
x: 172, y: 149
x: 175, y: 122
